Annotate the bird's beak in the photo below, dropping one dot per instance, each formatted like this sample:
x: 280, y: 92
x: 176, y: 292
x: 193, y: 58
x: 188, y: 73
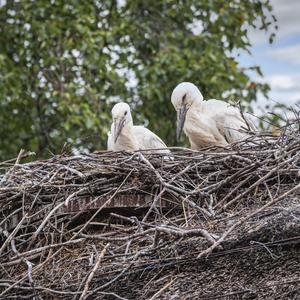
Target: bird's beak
x: 181, y: 113
x: 119, y: 124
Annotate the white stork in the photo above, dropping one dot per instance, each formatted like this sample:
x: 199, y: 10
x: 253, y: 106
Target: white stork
x: 207, y: 123
x: 126, y: 136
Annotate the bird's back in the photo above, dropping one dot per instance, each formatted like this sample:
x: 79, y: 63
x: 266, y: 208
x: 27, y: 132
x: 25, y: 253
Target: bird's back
x: 219, y: 108
x: 229, y: 119
x: 147, y: 139
x: 219, y: 123
x: 215, y: 107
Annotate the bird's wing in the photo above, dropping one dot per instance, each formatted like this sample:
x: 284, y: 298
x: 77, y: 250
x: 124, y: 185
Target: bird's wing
x: 250, y: 121
x: 229, y: 120
x: 110, y: 139
x: 213, y: 106
x: 216, y: 107
x: 109, y: 142
x: 233, y: 128
x: 147, y: 139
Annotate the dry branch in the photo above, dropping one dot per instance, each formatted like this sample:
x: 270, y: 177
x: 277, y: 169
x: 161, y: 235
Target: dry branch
x: 157, y: 215
x: 89, y: 279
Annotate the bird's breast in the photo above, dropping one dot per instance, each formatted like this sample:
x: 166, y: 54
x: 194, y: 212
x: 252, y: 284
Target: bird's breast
x: 126, y: 143
x: 202, y: 132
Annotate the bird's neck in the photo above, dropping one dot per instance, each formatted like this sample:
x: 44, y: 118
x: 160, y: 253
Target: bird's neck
x: 127, y: 129
x: 127, y: 138
x: 192, y: 115
x: 197, y: 105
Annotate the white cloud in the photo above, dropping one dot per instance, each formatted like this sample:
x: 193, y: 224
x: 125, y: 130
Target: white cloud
x: 280, y: 63
x: 287, y: 14
x: 290, y: 54
x: 284, y: 82
x: 284, y: 89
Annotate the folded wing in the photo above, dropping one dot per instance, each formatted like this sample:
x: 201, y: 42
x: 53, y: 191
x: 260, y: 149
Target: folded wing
x: 229, y: 120
x: 147, y: 139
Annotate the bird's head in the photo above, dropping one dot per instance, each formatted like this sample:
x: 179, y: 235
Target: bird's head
x: 121, y: 116
x: 185, y: 95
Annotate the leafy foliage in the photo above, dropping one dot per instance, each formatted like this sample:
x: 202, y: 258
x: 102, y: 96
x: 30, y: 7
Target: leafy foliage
x: 64, y: 63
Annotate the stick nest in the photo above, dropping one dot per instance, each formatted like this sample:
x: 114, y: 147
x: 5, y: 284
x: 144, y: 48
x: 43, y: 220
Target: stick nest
x: 218, y: 223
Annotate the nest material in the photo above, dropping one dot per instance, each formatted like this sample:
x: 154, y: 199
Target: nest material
x: 220, y: 224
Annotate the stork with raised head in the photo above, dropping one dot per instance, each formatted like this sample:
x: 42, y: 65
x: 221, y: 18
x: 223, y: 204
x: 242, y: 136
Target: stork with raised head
x: 126, y: 136
x: 207, y: 123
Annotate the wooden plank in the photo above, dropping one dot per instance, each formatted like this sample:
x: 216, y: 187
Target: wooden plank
x: 118, y: 202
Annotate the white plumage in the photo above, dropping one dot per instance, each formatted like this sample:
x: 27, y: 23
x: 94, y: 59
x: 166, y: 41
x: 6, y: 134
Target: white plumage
x: 126, y: 136
x: 207, y: 123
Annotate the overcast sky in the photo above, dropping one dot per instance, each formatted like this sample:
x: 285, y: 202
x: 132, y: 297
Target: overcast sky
x: 280, y: 62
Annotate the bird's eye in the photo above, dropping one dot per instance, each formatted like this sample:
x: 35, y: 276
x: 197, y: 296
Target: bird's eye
x: 125, y: 113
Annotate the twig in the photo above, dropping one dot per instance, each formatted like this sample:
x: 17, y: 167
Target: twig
x: 11, y: 236
x: 89, y: 279
x: 158, y: 293
x: 244, y: 219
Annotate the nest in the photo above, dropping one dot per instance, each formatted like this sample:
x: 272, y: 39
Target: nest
x: 211, y: 224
